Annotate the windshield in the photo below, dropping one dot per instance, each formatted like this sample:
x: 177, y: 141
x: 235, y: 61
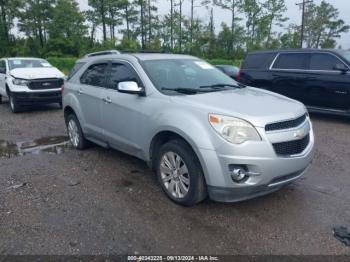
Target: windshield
x: 28, y: 63
x: 173, y: 74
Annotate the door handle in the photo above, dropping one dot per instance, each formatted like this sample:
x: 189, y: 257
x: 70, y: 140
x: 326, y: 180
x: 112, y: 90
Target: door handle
x: 107, y: 100
x: 80, y: 92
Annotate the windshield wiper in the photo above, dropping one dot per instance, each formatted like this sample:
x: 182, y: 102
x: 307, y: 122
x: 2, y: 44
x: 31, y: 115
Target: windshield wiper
x: 189, y: 91
x: 221, y: 86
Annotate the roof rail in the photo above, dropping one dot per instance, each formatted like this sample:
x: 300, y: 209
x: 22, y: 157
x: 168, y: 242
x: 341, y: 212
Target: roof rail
x: 107, y: 52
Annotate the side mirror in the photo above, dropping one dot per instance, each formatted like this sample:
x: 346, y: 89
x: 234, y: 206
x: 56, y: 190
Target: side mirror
x: 2, y: 70
x: 341, y: 67
x: 130, y: 87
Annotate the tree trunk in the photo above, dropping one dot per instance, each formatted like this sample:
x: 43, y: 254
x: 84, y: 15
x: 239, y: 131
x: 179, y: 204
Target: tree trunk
x: 103, y: 16
x: 233, y: 25
x: 142, y: 25
x: 191, y: 32
x: 127, y: 21
x: 171, y: 25
x: 149, y: 23
x: 4, y: 21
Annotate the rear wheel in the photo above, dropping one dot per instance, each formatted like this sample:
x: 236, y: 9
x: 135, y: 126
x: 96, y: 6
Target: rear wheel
x: 15, y: 108
x: 180, y: 174
x: 75, y: 133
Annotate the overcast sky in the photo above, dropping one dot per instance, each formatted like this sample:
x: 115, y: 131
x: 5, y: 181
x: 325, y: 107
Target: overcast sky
x: 293, y: 13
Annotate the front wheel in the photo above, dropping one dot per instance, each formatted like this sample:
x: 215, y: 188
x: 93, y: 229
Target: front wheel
x: 15, y: 108
x: 180, y: 174
x: 75, y: 133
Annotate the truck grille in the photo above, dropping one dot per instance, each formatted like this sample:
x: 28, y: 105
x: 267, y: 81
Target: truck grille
x: 285, y: 124
x: 41, y: 84
x: 292, y: 147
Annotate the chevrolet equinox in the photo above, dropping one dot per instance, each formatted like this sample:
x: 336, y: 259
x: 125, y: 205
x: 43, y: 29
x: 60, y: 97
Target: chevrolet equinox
x: 202, y: 132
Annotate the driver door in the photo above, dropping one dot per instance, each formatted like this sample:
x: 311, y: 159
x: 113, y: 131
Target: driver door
x: 123, y: 117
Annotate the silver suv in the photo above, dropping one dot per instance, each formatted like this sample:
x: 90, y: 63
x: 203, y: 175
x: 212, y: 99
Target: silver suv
x: 203, y: 133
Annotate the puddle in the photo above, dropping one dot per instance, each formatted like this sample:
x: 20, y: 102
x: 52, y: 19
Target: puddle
x: 46, y: 145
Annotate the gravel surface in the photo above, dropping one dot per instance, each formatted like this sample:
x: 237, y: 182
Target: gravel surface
x: 99, y: 201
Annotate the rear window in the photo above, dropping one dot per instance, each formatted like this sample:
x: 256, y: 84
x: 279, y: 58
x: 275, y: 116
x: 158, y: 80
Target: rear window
x: 75, y: 69
x: 258, y: 61
x: 323, y: 62
x: 296, y: 61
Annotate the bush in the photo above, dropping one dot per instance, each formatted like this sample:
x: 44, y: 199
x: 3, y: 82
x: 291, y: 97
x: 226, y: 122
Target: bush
x: 219, y: 61
x: 65, y: 64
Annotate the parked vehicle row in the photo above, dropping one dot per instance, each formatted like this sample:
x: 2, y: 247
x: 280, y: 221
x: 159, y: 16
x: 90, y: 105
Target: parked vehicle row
x: 29, y: 81
x: 202, y: 132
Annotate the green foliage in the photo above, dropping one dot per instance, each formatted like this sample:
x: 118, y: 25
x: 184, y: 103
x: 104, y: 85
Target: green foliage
x: 65, y: 64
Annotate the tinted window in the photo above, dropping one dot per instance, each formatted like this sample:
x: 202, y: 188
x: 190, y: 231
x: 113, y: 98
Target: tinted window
x: 121, y: 73
x: 94, y: 75
x: 323, y: 62
x: 258, y: 61
x: 75, y: 69
x: 291, y: 61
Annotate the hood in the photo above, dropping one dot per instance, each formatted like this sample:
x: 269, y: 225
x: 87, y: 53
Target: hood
x: 36, y: 73
x: 256, y: 106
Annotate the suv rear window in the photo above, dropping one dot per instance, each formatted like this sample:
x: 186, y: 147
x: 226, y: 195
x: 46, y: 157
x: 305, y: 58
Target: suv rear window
x: 298, y: 61
x: 258, y: 61
x: 323, y: 62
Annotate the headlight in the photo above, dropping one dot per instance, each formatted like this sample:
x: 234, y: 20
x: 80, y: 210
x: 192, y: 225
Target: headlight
x: 234, y: 130
x: 20, y: 82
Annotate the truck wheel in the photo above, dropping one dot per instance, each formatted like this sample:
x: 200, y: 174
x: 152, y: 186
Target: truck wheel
x: 75, y: 133
x: 180, y: 173
x: 15, y: 108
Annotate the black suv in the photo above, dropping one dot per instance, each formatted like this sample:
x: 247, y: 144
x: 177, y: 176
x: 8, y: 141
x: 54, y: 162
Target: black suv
x: 318, y: 78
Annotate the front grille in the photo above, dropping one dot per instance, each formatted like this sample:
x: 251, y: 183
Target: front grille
x: 292, y: 147
x: 41, y: 84
x: 285, y: 124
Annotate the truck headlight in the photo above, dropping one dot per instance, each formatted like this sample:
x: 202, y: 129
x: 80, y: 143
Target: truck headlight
x: 234, y: 130
x: 20, y: 82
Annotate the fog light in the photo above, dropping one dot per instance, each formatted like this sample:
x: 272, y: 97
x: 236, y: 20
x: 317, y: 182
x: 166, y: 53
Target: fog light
x: 238, y: 175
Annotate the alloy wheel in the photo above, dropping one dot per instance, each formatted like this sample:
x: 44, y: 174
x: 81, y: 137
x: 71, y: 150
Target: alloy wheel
x: 174, y: 174
x: 73, y: 133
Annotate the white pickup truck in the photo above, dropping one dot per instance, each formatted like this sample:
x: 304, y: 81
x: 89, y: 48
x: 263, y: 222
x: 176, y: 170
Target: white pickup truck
x: 29, y: 81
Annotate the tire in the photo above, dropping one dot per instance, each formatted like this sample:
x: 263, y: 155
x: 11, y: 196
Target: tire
x: 75, y: 133
x: 15, y: 108
x: 60, y: 105
x: 0, y: 99
x: 180, y: 173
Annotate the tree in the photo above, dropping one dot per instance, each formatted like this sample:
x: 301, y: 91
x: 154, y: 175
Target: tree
x: 130, y: 16
x: 35, y: 18
x: 100, y: 7
x: 232, y: 6
x: 275, y: 16
x: 67, y: 29
x: 322, y: 25
x: 8, y: 12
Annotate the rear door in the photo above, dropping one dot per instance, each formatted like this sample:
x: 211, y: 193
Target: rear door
x: 327, y: 87
x: 89, y: 93
x: 289, y: 76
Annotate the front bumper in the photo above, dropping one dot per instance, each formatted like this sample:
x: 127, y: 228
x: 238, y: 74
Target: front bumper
x: 35, y: 98
x: 267, y: 171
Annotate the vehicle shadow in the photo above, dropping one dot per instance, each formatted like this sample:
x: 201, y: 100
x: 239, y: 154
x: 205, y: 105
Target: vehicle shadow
x: 34, y: 108
x: 330, y: 118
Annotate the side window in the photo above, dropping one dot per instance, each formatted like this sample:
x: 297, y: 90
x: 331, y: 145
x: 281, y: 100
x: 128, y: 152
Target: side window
x: 295, y: 61
x: 258, y: 61
x: 121, y: 73
x: 323, y: 62
x: 95, y: 75
x: 75, y: 69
